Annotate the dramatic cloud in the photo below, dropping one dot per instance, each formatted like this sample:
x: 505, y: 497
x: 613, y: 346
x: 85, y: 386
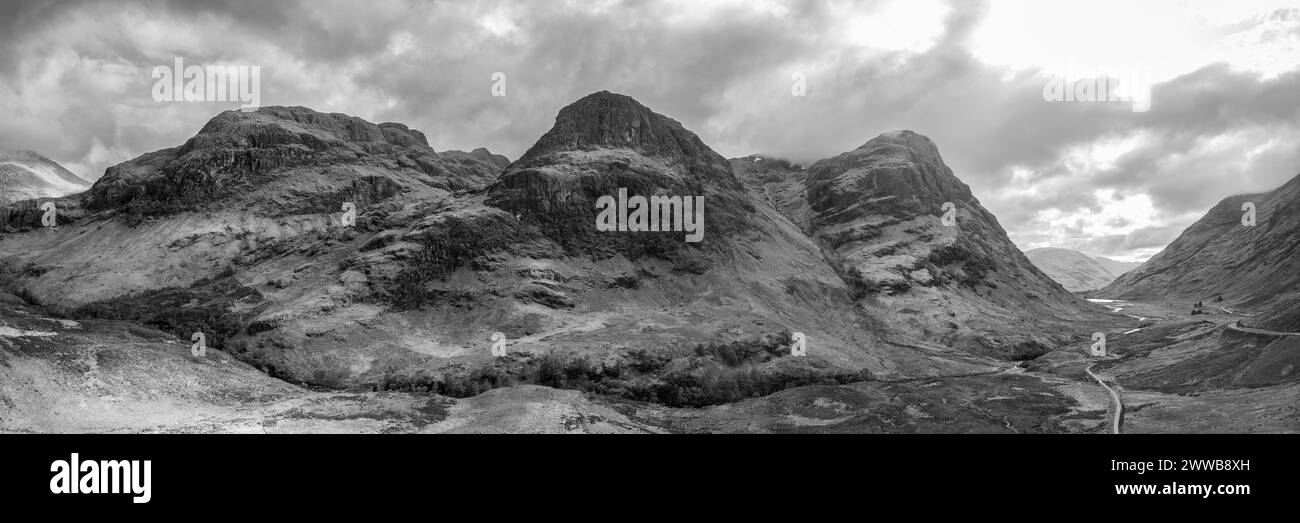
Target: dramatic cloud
x: 75, y: 85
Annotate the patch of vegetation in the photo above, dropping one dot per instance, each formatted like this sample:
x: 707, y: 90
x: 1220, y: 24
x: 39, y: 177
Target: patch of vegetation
x: 26, y: 295
x: 746, y: 352
x: 860, y: 285
x: 973, y: 268
x: 545, y: 297
x: 457, y: 243
x: 203, y: 307
x: 1024, y: 351
x: 693, y: 261
x: 364, y: 192
x: 712, y: 374
x: 948, y: 255
x: 625, y: 281
x: 432, y: 411
x: 888, y: 250
x: 564, y: 211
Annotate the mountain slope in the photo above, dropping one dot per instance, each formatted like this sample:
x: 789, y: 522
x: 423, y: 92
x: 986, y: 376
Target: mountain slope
x: 25, y: 175
x: 67, y: 376
x: 248, y: 186
x: 876, y: 211
x: 1218, y: 256
x: 1074, y: 270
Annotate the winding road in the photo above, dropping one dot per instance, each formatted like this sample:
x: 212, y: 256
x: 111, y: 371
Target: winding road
x: 1117, y: 406
x: 1236, y: 325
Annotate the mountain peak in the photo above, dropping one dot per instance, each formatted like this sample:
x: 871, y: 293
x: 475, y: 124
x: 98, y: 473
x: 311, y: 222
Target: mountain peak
x: 615, y: 121
x: 276, y: 125
x: 901, y: 167
x: 881, y: 213
x: 22, y: 154
x: 906, y: 137
x: 906, y: 143
x: 237, y: 151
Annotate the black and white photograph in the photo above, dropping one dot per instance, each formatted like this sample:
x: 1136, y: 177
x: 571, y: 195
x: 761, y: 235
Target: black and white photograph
x: 664, y: 217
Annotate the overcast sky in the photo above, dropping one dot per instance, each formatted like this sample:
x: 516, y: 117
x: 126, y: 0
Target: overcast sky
x: 76, y: 86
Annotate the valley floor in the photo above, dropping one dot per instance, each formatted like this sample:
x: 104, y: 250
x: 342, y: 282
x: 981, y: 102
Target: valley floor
x: 1176, y: 373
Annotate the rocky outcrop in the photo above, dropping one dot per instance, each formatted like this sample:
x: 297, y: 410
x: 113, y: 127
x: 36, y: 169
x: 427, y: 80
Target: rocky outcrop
x: 879, y: 207
x: 878, y: 212
x: 604, y: 142
x: 239, y: 152
x: 605, y: 120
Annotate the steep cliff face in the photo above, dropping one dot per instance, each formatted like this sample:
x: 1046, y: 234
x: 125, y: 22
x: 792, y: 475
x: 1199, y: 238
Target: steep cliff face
x: 1219, y: 257
x: 604, y: 142
x: 879, y: 208
x: 247, y: 187
x: 879, y: 211
x: 278, y: 150
x: 778, y: 183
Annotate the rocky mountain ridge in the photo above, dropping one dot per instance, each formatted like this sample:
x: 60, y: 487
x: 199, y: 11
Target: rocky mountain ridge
x: 239, y: 234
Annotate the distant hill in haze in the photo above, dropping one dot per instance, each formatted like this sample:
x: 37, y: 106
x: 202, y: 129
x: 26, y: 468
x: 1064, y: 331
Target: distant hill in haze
x: 1116, y: 267
x: 26, y: 174
x: 1077, y: 271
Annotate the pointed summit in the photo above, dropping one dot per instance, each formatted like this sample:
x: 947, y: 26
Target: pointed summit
x: 878, y: 211
x: 605, y: 142
x: 615, y: 121
x: 898, y: 168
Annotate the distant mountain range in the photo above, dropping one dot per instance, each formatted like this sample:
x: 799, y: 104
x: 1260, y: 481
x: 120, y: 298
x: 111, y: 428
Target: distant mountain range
x: 1077, y: 271
x: 25, y: 175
